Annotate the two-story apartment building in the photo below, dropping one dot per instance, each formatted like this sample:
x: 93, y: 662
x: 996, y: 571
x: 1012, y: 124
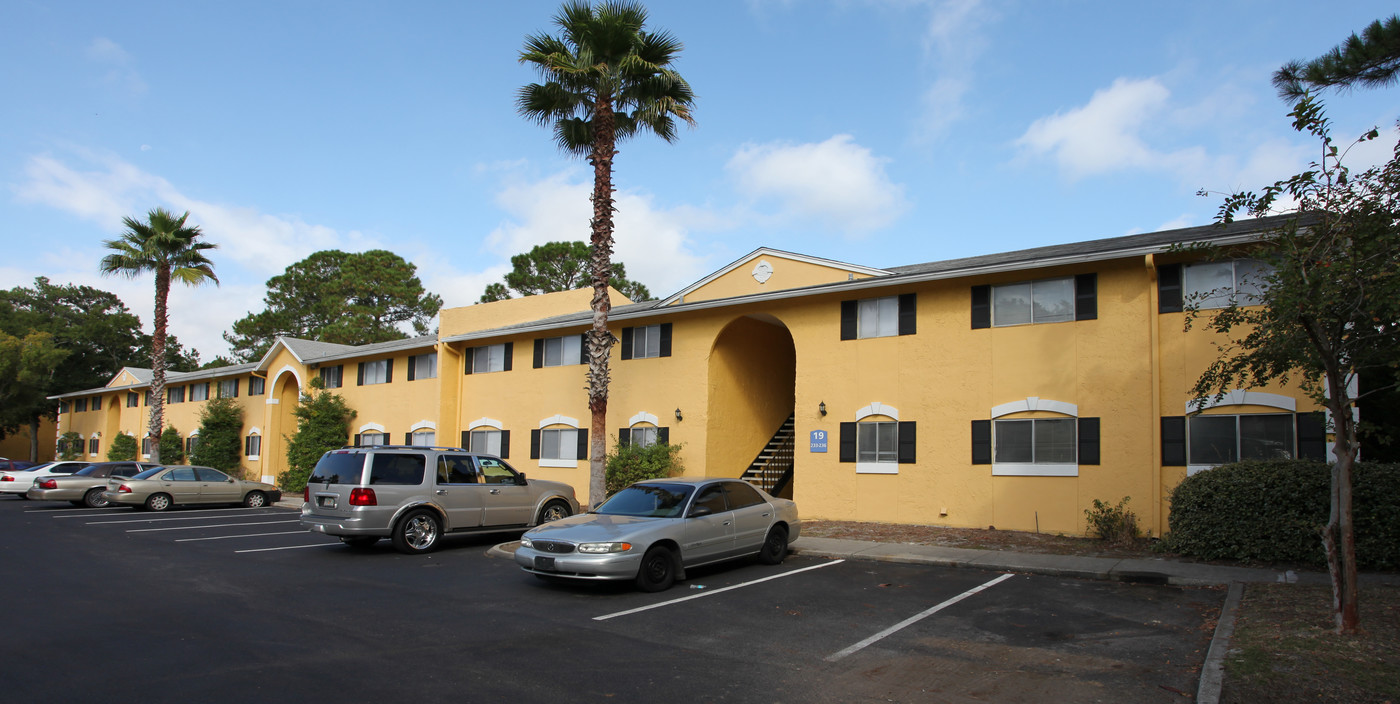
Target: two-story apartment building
x: 1008, y: 390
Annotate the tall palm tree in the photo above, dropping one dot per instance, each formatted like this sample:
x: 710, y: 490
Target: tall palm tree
x: 606, y: 79
x: 163, y: 244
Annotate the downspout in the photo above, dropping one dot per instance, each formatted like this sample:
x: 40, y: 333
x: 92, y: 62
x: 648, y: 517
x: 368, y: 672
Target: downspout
x: 1155, y: 352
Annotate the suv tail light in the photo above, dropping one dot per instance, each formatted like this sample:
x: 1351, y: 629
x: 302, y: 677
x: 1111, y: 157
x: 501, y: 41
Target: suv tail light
x: 306, y: 494
x: 363, y: 497
x: 48, y: 484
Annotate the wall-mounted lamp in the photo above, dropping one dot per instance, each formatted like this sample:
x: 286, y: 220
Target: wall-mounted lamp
x: 678, y: 414
x: 821, y: 407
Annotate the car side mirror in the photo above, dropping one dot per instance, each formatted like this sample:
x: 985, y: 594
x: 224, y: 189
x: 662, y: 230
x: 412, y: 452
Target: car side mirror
x: 699, y: 511
x: 520, y: 479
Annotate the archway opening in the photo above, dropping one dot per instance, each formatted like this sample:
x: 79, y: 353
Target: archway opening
x: 752, y: 384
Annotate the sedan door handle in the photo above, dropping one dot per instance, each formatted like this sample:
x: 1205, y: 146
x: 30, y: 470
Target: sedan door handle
x: 495, y: 491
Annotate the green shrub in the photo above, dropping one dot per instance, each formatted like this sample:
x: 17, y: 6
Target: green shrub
x: 631, y: 463
x: 172, y: 446
x: 70, y: 446
x: 123, y: 448
x: 1274, y: 511
x: 1115, y: 524
x: 323, y: 424
x: 220, y: 436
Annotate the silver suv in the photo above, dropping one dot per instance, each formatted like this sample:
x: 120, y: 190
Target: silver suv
x: 414, y: 495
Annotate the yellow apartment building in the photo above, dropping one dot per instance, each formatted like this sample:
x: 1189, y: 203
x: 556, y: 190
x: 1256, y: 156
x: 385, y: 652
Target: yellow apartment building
x: 1008, y: 390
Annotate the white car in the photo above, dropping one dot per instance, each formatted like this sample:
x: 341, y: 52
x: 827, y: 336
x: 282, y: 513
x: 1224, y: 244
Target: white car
x: 17, y: 482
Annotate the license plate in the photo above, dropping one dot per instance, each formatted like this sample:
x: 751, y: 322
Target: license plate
x: 325, y: 501
x: 544, y: 563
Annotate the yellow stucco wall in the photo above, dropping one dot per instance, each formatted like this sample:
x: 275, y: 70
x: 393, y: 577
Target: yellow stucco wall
x: 786, y: 273
x: 486, y: 316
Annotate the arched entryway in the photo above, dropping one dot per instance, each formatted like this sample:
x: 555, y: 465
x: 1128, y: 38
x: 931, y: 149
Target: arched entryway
x: 752, y: 381
x: 281, y: 423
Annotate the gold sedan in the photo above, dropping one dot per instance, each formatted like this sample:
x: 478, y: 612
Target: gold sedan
x: 160, y: 488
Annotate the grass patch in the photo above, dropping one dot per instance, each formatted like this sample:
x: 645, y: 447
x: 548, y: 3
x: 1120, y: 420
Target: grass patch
x: 1284, y: 648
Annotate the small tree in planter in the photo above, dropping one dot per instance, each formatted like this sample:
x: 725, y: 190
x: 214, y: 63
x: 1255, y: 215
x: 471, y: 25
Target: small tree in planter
x: 123, y: 448
x: 172, y: 446
x: 220, y: 436
x: 323, y: 424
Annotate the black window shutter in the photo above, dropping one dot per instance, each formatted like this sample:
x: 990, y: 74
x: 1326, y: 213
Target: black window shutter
x: 981, y: 308
x: 357, y: 439
x: 1169, y: 289
x: 848, y: 320
x: 582, y: 452
x: 535, y: 444
x: 624, y: 436
x: 360, y: 375
x: 907, y: 439
x: 1312, y: 436
x: 1088, y: 441
x: 510, y: 356
x: 389, y: 370
x: 663, y: 436
x: 1086, y: 297
x: 505, y: 444
x: 247, y: 445
x: 408, y: 438
x: 470, y: 356
x: 665, y: 339
x: 908, y: 318
x: 848, y: 443
x: 466, y: 439
x: 411, y: 366
x: 981, y: 442
x: 1174, y: 441
x: 236, y: 384
x: 539, y: 352
x: 626, y: 343
x: 583, y: 349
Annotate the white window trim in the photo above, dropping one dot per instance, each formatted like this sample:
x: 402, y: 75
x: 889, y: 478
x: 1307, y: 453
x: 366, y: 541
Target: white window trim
x: 485, y: 423
x: 423, y: 425
x: 877, y: 409
x: 1193, y: 469
x: 1035, y: 403
x: 643, y: 417
x: 557, y: 420
x: 98, y: 436
x: 370, y: 427
x: 1240, y: 397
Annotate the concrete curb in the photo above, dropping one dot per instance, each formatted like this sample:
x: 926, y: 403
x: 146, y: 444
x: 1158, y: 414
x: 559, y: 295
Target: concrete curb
x: 1213, y: 669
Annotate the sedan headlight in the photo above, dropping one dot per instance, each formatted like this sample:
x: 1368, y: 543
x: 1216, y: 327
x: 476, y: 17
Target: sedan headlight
x: 526, y: 542
x: 595, y: 548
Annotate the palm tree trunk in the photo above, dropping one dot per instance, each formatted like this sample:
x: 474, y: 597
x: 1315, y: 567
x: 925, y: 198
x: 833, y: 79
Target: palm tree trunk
x: 600, y: 340
x: 157, y: 420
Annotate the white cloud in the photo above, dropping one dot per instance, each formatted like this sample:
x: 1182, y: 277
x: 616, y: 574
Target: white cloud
x: 121, y: 73
x: 1102, y: 136
x: 952, y: 43
x: 837, y: 183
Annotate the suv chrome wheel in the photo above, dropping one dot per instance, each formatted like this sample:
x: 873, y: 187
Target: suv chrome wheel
x: 417, y: 532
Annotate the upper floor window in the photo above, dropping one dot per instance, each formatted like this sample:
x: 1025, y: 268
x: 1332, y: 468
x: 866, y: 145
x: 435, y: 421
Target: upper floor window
x: 150, y: 397
x: 422, y: 366
x: 199, y: 392
x: 490, y: 358
x: 878, y: 317
x: 380, y: 371
x: 228, y: 388
x: 256, y: 386
x: 80, y: 405
x: 560, y: 351
x: 1216, y: 284
x: 333, y: 377
x: 133, y: 399
x: 96, y: 403
x: 1054, y: 300
x: 175, y: 394
x: 646, y: 341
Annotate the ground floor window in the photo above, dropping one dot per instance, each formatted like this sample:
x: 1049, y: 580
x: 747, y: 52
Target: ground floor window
x: 423, y: 438
x: 252, y: 446
x: 1217, y: 440
x: 486, y: 442
x: 1035, y: 441
x: 92, y: 446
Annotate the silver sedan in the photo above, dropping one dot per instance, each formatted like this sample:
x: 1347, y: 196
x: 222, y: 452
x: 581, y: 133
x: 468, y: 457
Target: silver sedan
x: 652, y: 531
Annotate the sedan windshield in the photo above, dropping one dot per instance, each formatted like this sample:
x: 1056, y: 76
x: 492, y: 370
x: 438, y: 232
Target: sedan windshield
x: 648, y: 500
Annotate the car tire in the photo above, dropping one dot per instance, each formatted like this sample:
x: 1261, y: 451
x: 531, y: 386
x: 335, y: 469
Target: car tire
x: 775, y: 546
x: 418, y: 532
x: 94, y: 499
x: 553, y: 511
x: 255, y: 499
x: 359, y: 542
x: 158, y: 502
x: 658, y: 570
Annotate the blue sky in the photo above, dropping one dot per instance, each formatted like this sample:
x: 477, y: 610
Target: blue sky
x: 878, y: 132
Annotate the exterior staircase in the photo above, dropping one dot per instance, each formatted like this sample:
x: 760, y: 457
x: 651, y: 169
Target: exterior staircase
x: 771, y: 471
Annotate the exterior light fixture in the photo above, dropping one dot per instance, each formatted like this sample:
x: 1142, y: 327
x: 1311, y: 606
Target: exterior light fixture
x: 822, y: 407
x: 678, y: 414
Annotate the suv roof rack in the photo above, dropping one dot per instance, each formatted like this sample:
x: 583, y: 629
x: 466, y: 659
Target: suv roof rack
x: 408, y: 447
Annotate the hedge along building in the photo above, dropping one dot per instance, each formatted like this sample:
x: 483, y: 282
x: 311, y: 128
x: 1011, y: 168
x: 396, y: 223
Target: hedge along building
x: 1010, y: 390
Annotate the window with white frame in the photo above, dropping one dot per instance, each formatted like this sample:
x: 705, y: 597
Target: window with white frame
x: 422, y: 366
x: 199, y: 392
x: 646, y: 341
x: 486, y: 441
x: 1221, y: 439
x: 191, y: 443
x: 877, y: 317
x: 423, y: 438
x: 1216, y: 284
x: 175, y: 394
x: 133, y: 399
x: 228, y: 388
x: 92, y: 446
x: 145, y: 447
x: 376, y: 372
x: 370, y: 439
x: 562, y: 351
x: 333, y: 377
x: 643, y: 435
x: 559, y: 444
x: 1030, y: 302
x: 256, y: 386
x: 252, y: 446
x: 1035, y: 441
x: 488, y: 358
x: 877, y: 441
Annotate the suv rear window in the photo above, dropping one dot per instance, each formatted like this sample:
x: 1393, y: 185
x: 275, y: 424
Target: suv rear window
x: 397, y: 469
x: 338, y: 468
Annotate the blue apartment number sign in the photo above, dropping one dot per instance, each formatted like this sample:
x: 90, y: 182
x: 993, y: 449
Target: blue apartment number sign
x: 818, y: 441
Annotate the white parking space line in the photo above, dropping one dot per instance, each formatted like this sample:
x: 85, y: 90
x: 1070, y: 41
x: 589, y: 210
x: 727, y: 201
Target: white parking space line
x: 245, y: 535
x: 292, y: 547
x: 143, y: 513
x: 216, y: 525
x: 176, y: 518
x: 86, y: 512
x: 916, y: 618
x: 716, y: 591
